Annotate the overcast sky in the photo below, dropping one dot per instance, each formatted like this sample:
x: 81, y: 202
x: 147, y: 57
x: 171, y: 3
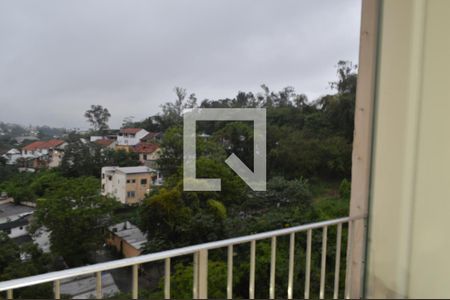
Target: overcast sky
x: 59, y: 57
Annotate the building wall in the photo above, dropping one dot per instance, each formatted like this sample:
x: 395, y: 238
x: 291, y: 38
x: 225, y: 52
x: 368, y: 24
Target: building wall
x: 118, y: 147
x: 122, y: 246
x: 55, y: 158
x: 120, y: 184
x: 150, y: 160
x: 113, y: 184
x: 409, y: 207
x: 18, y: 231
x: 135, y: 185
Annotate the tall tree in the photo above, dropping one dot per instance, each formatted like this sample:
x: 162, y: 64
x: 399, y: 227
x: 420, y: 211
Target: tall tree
x: 98, y: 116
x: 77, y: 217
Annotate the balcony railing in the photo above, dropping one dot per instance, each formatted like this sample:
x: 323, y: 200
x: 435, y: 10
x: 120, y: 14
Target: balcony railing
x: 200, y: 253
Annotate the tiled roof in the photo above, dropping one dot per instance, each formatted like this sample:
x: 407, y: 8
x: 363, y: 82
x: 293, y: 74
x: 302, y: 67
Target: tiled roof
x: 43, y: 145
x: 130, y: 130
x: 147, y: 148
x: 151, y: 135
x: 104, y: 142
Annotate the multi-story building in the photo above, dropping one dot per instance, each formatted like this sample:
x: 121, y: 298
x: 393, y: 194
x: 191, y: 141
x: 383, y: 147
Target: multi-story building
x: 129, y: 185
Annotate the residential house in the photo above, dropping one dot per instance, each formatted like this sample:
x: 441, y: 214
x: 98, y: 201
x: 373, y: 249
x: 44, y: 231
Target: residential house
x: 14, y: 219
x: 149, y: 154
x: 12, y: 156
x: 127, y: 239
x: 129, y: 185
x: 42, y: 154
x: 129, y: 137
x: 106, y: 143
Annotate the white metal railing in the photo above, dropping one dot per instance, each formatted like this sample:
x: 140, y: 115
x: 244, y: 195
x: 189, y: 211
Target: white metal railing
x: 200, y: 253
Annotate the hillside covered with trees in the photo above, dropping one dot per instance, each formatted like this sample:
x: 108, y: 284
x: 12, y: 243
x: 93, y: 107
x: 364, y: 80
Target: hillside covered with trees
x: 309, y: 144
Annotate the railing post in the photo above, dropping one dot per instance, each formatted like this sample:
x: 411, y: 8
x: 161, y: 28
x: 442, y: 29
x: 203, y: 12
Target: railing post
x: 167, y: 278
x: 9, y: 294
x: 323, y: 264
x: 98, y: 286
x: 273, y: 259
x: 230, y: 273
x: 200, y: 289
x: 308, y: 263
x: 291, y: 266
x: 349, y: 260
x: 134, y: 292
x: 337, y: 266
x: 251, y: 288
x: 57, y: 289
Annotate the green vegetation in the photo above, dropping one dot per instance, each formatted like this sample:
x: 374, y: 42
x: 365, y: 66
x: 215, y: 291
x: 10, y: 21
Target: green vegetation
x: 72, y: 209
x: 26, y: 260
x: 309, y: 166
x: 309, y: 147
x: 86, y: 159
x: 77, y: 218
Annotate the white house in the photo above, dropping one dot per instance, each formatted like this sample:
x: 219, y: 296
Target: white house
x: 11, y: 156
x: 130, y: 136
x: 14, y: 219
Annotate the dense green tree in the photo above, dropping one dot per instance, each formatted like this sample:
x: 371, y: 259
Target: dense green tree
x: 76, y: 216
x: 22, y: 261
x: 82, y: 158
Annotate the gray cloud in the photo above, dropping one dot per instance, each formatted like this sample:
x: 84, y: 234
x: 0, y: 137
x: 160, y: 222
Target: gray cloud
x: 58, y: 57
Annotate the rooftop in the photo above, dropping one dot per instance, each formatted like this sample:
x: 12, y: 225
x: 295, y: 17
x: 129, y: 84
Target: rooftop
x: 43, y: 145
x: 129, y: 170
x: 147, y: 148
x: 130, y: 233
x: 130, y: 130
x: 9, y: 210
x: 151, y: 135
x: 104, y: 142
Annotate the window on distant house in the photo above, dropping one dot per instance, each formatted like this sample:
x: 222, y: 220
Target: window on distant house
x: 128, y: 180
x: 143, y: 181
x: 145, y: 156
x: 133, y: 181
x: 131, y: 194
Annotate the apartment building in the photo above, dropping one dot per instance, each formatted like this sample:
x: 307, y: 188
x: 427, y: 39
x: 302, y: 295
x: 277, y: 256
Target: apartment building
x: 129, y: 185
